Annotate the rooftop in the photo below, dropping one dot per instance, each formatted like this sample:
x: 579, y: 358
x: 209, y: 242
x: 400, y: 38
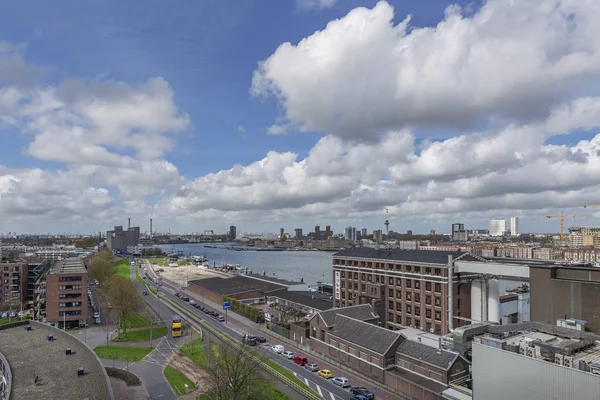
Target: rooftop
x: 419, y: 351
x: 421, y: 256
x: 235, y: 285
x: 361, y: 312
x: 73, y: 265
x: 273, y: 279
x: 309, y: 299
x: 369, y: 336
x: 29, y: 353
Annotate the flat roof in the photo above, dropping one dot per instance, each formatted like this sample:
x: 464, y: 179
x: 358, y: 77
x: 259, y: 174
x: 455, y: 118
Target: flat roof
x: 236, y: 284
x: 29, y: 353
x: 72, y: 265
x: 309, y: 299
x: 421, y: 256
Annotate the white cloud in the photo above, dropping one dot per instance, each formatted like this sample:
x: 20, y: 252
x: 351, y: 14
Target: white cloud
x: 364, y: 74
x: 314, y: 4
x: 13, y: 68
x: 277, y: 129
x: 241, y: 129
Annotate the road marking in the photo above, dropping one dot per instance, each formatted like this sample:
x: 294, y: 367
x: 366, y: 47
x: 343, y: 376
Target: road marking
x: 306, y: 381
x: 320, y: 392
x: 332, y: 396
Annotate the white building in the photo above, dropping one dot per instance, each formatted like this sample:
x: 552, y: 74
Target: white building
x: 497, y: 227
x: 514, y: 226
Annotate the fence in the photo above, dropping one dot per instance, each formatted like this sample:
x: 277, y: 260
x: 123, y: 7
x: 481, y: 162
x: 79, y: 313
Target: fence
x: 280, y: 330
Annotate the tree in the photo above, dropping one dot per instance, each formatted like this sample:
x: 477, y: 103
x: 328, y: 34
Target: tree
x: 86, y: 242
x: 124, y: 299
x: 105, y: 254
x: 101, y: 270
x: 235, y: 373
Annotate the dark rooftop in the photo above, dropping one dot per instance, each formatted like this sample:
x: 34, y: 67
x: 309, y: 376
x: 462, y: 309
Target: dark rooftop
x: 309, y: 299
x: 440, y: 358
x: 29, y: 353
x: 274, y: 279
x: 369, y: 336
x: 235, y: 285
x: 361, y: 312
x: 422, y: 256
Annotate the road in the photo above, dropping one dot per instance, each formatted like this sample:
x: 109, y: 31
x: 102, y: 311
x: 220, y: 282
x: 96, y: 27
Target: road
x: 238, y: 325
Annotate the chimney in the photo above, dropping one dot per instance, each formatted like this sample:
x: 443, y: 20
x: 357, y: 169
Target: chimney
x: 128, y: 223
x: 150, y: 228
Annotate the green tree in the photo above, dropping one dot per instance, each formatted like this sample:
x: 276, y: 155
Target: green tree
x: 101, y: 270
x: 124, y: 298
x: 105, y: 254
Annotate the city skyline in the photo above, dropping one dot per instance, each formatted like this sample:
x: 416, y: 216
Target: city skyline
x: 194, y: 117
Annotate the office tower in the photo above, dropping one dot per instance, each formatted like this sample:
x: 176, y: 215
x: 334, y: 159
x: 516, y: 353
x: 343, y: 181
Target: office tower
x: 514, y: 226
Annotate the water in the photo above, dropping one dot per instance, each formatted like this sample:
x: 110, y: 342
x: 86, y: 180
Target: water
x: 312, y: 266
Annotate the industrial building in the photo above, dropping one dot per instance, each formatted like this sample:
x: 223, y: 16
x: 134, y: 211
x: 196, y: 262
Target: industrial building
x: 119, y: 239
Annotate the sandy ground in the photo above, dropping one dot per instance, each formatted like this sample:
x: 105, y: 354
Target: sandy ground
x: 191, y: 370
x: 184, y: 273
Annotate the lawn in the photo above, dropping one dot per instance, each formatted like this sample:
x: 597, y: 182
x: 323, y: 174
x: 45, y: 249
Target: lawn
x: 122, y: 353
x: 142, y: 335
x: 178, y: 380
x: 137, y: 320
x: 122, y: 268
x: 198, y: 357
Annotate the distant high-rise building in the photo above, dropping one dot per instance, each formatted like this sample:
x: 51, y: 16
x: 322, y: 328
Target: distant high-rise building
x: 232, y: 232
x: 378, y: 236
x: 348, y: 233
x: 497, y: 227
x: 317, y: 232
x: 514, y: 226
x: 281, y: 233
x: 298, y: 233
x: 409, y: 232
x: 328, y: 232
x: 458, y: 232
x: 432, y: 232
x: 363, y: 232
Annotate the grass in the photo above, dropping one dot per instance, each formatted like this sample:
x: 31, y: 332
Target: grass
x: 137, y: 320
x: 272, y: 393
x: 177, y: 380
x: 157, y: 260
x: 122, y: 353
x: 198, y: 355
x: 122, y: 268
x: 283, y: 371
x: 142, y: 335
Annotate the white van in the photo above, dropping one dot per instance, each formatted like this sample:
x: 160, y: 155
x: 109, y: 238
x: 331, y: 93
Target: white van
x: 278, y: 349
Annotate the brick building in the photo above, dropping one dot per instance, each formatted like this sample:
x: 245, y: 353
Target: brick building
x: 243, y: 288
x: 65, y: 287
x: 13, y: 286
x: 407, y: 288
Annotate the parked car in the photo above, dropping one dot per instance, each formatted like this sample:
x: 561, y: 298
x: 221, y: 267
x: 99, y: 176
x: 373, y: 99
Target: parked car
x: 261, y: 339
x: 312, y: 367
x: 4, y: 315
x: 192, y: 302
x: 362, y: 391
x: 358, y: 397
x: 96, y: 315
x: 145, y: 292
x: 13, y: 314
x: 277, y: 348
x: 302, y: 361
x: 97, y: 321
x: 21, y: 314
x: 341, y: 381
x: 288, y: 354
x: 220, y: 318
x: 325, y: 373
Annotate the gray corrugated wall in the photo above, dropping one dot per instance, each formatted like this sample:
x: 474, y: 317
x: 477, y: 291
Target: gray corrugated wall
x: 501, y: 375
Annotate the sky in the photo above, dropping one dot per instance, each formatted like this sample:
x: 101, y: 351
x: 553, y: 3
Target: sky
x: 295, y: 113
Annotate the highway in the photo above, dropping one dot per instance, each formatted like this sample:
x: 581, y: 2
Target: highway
x: 237, y: 328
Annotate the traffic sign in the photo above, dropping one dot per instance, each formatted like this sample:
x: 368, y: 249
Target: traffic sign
x: 226, y: 305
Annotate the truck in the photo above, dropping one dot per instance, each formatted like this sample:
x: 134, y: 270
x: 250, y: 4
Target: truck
x: 249, y: 339
x: 176, y: 326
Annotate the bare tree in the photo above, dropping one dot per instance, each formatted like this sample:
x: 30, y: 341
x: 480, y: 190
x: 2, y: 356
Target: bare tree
x: 101, y: 270
x: 105, y: 254
x: 235, y: 374
x: 124, y: 299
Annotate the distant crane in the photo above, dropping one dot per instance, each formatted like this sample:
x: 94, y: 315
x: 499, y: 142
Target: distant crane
x: 590, y: 205
x: 562, y: 217
x: 212, y: 234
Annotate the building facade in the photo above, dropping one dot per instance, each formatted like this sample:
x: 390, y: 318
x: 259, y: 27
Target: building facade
x: 497, y: 227
x: 408, y: 288
x: 317, y: 233
x: 514, y: 226
x: 66, y: 293
x: 378, y: 235
x: 298, y: 233
x: 232, y: 232
x: 13, y: 286
x: 459, y: 234
x: 119, y: 239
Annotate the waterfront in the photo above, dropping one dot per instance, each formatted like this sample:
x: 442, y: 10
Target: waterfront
x: 312, y: 266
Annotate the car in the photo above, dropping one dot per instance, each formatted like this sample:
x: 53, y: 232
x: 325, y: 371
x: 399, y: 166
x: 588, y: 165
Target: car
x: 288, y: 354
x: 362, y: 391
x: 341, y: 381
x: 261, y: 339
x: 96, y: 315
x: 300, y: 360
x: 278, y: 348
x: 13, y: 314
x: 325, y: 373
x: 192, y: 302
x: 358, y: 397
x: 184, y: 298
x: 97, y: 321
x: 21, y: 314
x: 312, y: 367
x: 145, y: 292
x: 220, y: 318
x: 4, y: 315
x: 206, y: 311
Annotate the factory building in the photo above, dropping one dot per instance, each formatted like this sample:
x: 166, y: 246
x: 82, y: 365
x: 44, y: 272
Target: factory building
x: 119, y: 239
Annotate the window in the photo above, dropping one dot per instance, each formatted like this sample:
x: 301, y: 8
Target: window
x: 408, y: 309
x: 438, y: 316
x: 428, y: 314
x: 391, y: 317
x: 417, y: 298
x: 343, y: 284
x: 363, y: 288
x: 417, y: 312
x: 428, y: 271
x: 343, y: 274
x: 363, y: 276
x: 69, y: 313
x: 391, y: 305
x: 408, y: 321
x: 398, y: 294
x: 355, y: 286
x: 391, y: 293
x: 408, y: 283
x: 356, y: 275
x: 438, y: 288
x: 391, y: 281
x: 408, y: 296
x: 408, y: 268
x: 417, y: 285
x: 428, y: 299
x: 69, y: 279
x: 438, y: 272
x: 428, y: 286
x: 398, y: 282
x: 69, y: 287
x: 438, y: 302
x: 418, y: 270
x: 399, y: 307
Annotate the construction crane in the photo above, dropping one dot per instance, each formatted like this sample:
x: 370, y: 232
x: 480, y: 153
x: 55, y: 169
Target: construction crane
x: 212, y: 234
x: 562, y: 217
x: 590, y: 205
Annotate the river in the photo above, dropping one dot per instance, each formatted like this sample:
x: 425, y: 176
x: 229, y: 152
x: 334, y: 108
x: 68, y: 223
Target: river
x: 312, y: 266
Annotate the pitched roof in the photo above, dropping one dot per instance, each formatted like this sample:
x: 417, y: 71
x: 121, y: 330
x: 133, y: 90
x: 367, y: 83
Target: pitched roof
x: 440, y: 358
x: 309, y: 299
x: 237, y: 284
x: 423, y: 256
x: 369, y: 336
x: 361, y: 312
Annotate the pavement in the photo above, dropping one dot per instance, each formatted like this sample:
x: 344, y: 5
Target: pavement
x: 238, y: 325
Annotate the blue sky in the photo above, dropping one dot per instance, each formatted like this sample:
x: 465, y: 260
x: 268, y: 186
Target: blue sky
x: 208, y: 52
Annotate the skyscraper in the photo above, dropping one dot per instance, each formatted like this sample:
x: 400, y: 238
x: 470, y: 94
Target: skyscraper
x: 298, y: 233
x: 514, y: 226
x: 328, y: 232
x: 378, y: 236
x: 281, y: 233
x: 363, y: 232
x: 317, y: 232
x: 232, y: 232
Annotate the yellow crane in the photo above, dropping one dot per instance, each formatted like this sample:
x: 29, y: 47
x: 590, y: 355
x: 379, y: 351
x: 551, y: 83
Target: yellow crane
x: 562, y: 217
x: 211, y: 233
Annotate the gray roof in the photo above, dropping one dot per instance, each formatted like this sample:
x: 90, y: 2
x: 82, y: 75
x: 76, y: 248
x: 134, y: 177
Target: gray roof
x: 308, y: 299
x: 422, y: 256
x: 361, y: 312
x: 29, y: 353
x: 369, y: 336
x: 440, y: 358
x: 236, y: 284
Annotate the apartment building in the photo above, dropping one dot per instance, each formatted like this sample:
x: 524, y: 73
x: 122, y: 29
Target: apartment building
x: 407, y: 288
x: 65, y: 288
x: 13, y: 286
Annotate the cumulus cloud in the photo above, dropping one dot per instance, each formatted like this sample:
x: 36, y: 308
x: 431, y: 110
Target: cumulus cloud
x: 365, y: 74
x: 277, y: 129
x: 314, y: 4
x: 13, y: 68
